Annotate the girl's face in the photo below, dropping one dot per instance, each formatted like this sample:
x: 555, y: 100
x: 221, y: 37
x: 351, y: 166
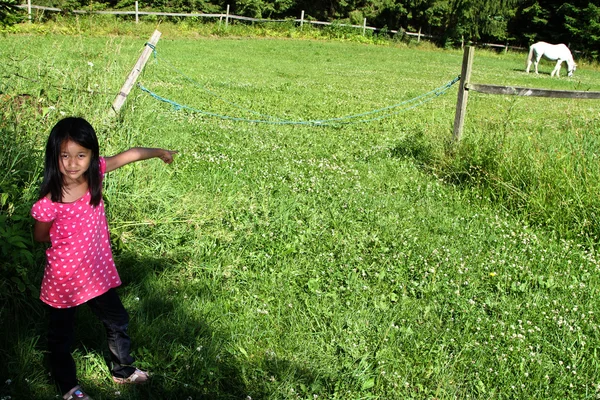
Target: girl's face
x: 73, y: 161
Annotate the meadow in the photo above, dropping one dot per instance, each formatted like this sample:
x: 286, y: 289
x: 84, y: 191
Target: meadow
x: 368, y: 260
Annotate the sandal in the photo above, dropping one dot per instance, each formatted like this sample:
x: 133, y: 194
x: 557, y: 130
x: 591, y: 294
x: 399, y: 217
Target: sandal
x: 138, y: 377
x: 76, y: 394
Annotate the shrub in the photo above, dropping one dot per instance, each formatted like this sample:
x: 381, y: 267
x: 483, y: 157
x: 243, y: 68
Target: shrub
x: 10, y: 14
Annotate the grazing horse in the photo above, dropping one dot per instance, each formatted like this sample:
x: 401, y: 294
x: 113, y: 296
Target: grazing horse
x: 552, y: 52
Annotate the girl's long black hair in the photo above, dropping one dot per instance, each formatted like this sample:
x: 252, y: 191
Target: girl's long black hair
x: 81, y: 132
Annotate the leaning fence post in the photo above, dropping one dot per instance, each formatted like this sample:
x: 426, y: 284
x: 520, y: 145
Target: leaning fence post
x: 135, y: 72
x: 227, y: 17
x: 463, y: 93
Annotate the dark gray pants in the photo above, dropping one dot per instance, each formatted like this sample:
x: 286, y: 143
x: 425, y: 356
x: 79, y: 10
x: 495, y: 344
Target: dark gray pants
x: 109, y: 309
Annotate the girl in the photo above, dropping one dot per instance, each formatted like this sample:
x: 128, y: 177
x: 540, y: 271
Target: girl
x: 80, y: 267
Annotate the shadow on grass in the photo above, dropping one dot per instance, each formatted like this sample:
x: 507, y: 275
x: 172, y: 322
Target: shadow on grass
x: 540, y: 72
x: 177, y: 342
x: 172, y: 340
x: 165, y: 336
x: 413, y: 146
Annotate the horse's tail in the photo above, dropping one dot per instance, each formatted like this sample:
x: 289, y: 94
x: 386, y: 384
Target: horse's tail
x: 530, y: 56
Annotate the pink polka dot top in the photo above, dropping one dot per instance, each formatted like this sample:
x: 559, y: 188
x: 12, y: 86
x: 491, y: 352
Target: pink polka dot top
x: 79, y: 262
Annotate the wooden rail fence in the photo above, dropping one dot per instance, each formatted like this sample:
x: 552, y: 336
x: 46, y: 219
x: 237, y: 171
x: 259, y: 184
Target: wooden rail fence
x: 221, y: 16
x: 465, y: 86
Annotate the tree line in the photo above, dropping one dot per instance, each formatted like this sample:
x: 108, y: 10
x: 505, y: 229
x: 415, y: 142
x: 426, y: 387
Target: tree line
x: 514, y: 22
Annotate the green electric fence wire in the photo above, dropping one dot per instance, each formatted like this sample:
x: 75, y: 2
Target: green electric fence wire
x: 267, y: 119
x: 409, y: 104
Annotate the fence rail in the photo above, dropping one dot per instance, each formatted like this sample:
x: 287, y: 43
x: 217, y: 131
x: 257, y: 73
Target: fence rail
x: 532, y: 92
x: 221, y: 16
x: 466, y: 86
x: 226, y: 16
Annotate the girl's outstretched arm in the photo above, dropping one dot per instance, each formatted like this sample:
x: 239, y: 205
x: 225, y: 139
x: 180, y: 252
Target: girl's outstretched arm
x: 137, y: 154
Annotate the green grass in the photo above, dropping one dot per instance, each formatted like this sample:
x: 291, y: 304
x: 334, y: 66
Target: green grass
x: 296, y: 262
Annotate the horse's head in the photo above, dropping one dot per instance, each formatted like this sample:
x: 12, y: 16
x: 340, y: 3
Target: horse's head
x: 572, y: 67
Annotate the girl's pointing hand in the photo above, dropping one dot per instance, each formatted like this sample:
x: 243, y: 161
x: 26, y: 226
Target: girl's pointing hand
x: 167, y: 155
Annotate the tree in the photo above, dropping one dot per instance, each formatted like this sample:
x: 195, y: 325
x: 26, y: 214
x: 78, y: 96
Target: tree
x: 582, y: 21
x: 10, y: 14
x: 472, y: 19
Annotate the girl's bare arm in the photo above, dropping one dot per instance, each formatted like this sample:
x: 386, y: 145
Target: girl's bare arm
x: 41, y: 231
x: 137, y: 154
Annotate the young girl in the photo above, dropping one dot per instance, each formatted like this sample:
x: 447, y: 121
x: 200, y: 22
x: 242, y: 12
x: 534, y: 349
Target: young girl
x: 80, y: 267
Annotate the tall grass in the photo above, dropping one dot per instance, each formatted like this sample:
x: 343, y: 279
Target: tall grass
x: 539, y: 162
x: 298, y: 262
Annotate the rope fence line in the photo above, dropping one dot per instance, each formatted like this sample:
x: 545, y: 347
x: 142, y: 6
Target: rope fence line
x: 197, y: 84
x: 371, y: 116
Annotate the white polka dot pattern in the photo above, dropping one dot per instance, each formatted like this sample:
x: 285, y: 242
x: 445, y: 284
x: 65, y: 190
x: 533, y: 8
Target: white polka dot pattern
x: 79, y: 263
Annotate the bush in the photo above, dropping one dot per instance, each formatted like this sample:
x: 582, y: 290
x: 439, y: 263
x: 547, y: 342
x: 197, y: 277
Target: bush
x: 18, y: 166
x: 10, y: 14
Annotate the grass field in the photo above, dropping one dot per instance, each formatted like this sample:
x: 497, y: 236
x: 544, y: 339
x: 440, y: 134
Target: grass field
x: 273, y: 261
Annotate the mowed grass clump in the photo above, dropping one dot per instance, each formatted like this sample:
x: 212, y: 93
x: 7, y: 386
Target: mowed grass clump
x: 300, y: 262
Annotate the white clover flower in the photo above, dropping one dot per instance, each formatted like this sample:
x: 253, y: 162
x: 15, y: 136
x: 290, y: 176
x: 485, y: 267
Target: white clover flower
x: 91, y: 64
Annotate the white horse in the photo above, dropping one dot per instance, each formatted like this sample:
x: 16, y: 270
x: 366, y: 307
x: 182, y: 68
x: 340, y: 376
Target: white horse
x: 552, y: 52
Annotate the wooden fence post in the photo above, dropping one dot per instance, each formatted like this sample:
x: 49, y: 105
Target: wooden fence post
x: 463, y: 93
x: 29, y: 9
x: 302, y: 20
x: 133, y: 75
x: 227, y: 17
x: 137, y: 18
x: 364, y: 26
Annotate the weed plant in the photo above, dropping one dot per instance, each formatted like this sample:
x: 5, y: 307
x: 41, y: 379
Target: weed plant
x: 272, y: 261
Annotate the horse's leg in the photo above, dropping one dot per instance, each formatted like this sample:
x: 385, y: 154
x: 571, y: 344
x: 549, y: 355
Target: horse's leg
x: 556, y: 69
